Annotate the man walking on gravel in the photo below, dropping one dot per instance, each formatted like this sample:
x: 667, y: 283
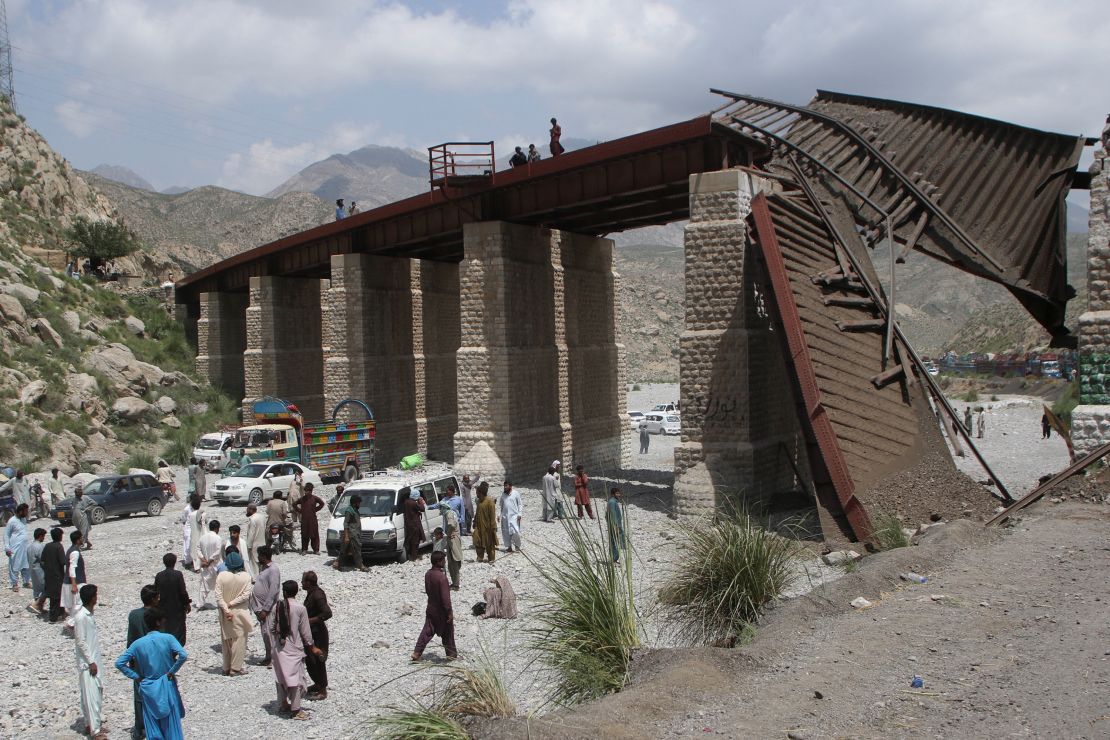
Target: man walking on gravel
x: 267, y: 591
x: 453, y: 549
x: 173, y: 597
x: 485, y: 525
x: 53, y: 570
x: 582, y: 492
x: 615, y: 520
x: 439, y: 617
x: 73, y: 579
x: 87, y: 649
x: 414, y: 525
x: 350, y: 539
x: 255, y: 538
x: 152, y: 662
x: 233, y: 591
x: 512, y: 516
x: 308, y: 506
x: 550, y: 483
x: 81, y: 521
x: 319, y: 612
x: 645, y: 438
x: 211, y: 552
x: 136, y: 628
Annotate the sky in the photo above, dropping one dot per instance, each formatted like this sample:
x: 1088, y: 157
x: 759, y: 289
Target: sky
x: 244, y: 93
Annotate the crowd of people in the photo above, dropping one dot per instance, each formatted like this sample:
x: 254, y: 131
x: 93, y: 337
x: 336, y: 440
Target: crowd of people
x: 238, y: 578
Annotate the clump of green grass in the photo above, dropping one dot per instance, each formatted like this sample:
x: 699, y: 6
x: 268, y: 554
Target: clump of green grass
x: 416, y: 723
x: 887, y: 530
x: 732, y: 570
x: 587, y: 626
x: 474, y: 690
x: 139, y: 459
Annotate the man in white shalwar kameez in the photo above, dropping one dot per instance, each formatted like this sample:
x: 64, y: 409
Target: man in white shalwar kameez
x: 197, y: 523
x: 512, y: 517
x: 87, y: 649
x: 211, y: 554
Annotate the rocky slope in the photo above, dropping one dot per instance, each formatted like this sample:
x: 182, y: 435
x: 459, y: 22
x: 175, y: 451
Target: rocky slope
x: 88, y: 376
x: 123, y: 175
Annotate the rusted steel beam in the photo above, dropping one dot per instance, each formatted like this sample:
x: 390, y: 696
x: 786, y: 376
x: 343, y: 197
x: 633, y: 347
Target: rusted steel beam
x: 798, y: 356
x: 888, y: 376
x: 849, y: 301
x: 1029, y: 498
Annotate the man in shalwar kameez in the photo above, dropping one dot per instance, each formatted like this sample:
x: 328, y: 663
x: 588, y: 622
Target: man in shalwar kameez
x: 512, y: 517
x: 211, y: 551
x: 439, y: 617
x: 87, y: 649
x: 15, y: 547
x: 233, y: 591
x: 158, y: 656
x: 291, y: 637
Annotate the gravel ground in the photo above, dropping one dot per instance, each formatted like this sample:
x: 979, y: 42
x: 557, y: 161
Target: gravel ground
x: 1012, y: 444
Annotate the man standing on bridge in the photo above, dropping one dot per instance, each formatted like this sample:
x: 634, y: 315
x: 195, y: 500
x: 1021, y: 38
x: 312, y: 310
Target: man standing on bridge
x: 556, y: 133
x: 340, y: 212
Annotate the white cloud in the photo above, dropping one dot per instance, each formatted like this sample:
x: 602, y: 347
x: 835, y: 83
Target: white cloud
x: 265, y: 164
x: 83, y: 120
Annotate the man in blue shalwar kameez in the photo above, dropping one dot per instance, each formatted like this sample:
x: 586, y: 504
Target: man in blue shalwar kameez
x: 158, y: 656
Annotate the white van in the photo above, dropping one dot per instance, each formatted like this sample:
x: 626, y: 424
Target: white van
x: 214, y: 450
x: 383, y: 495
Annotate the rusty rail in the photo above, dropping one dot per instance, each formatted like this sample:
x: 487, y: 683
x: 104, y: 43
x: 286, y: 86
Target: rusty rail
x: 1051, y: 483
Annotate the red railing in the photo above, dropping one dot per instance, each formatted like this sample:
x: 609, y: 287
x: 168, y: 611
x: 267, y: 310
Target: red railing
x: 456, y: 162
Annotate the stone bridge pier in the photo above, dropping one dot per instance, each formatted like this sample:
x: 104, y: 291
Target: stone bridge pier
x: 741, y: 440
x: 501, y: 364
x: 540, y: 371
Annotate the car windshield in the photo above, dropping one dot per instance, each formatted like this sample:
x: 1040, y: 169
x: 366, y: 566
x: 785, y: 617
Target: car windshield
x: 254, y: 437
x: 103, y: 485
x: 378, y: 502
x: 208, y: 444
x: 254, y: 470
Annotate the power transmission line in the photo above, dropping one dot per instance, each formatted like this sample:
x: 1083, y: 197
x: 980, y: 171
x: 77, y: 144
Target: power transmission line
x: 7, y: 84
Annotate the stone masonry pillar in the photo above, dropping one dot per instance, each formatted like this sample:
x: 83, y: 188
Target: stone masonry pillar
x: 592, y: 372
x: 737, y: 406
x: 284, y: 355
x: 368, y: 347
x: 540, y: 371
x: 221, y: 340
x: 1090, y: 426
x: 436, y: 342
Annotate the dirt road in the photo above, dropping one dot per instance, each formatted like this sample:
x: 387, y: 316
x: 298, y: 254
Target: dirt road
x: 1009, y: 635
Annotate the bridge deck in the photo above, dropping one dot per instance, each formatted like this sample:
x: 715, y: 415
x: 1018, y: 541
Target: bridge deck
x: 635, y: 181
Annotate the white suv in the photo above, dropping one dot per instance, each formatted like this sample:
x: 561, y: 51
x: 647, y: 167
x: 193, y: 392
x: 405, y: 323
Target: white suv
x: 383, y: 495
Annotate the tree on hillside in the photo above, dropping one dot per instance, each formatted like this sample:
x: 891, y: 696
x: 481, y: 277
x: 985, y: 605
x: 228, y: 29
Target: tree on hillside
x: 99, y: 241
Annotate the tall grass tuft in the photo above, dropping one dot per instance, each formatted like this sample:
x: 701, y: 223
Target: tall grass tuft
x: 887, y: 530
x: 474, y: 690
x: 732, y: 569
x: 587, y: 626
x: 417, y: 723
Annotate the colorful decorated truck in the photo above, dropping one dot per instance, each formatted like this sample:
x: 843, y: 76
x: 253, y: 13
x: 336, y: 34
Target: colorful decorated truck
x: 339, y: 449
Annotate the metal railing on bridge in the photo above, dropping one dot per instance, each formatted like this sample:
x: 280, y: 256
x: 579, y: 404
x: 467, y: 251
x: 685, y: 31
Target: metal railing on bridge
x: 461, y: 163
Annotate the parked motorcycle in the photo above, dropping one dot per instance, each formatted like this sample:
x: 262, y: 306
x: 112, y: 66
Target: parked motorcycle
x: 38, y: 499
x: 281, y: 538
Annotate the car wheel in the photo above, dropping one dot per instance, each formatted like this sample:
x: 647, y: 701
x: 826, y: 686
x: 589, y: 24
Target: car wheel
x: 98, y: 515
x: 255, y: 497
x: 154, y: 508
x: 350, y: 473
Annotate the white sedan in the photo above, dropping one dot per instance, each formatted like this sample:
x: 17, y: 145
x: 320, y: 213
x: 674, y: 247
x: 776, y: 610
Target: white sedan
x: 256, y: 483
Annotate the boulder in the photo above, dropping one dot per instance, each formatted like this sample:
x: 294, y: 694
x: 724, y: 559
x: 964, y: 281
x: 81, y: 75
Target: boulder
x: 72, y: 320
x: 56, y: 282
x: 21, y: 291
x: 172, y: 422
x: 95, y: 325
x: 118, y: 364
x: 131, y: 408
x: 33, y: 393
x: 81, y: 390
x: 11, y: 309
x: 166, y: 405
x: 134, y: 325
x: 43, y: 328
x: 841, y: 557
x: 78, y: 443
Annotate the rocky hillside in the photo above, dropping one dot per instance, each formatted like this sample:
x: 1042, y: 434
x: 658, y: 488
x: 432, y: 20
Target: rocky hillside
x: 124, y: 175
x: 91, y: 379
x: 205, y: 225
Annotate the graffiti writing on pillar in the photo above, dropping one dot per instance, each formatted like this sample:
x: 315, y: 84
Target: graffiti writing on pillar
x: 715, y: 409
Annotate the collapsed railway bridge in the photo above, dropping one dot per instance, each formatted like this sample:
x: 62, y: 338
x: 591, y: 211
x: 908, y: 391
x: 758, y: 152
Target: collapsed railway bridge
x: 479, y: 319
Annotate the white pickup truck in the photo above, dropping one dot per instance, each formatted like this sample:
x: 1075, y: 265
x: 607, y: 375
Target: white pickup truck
x: 214, y: 449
